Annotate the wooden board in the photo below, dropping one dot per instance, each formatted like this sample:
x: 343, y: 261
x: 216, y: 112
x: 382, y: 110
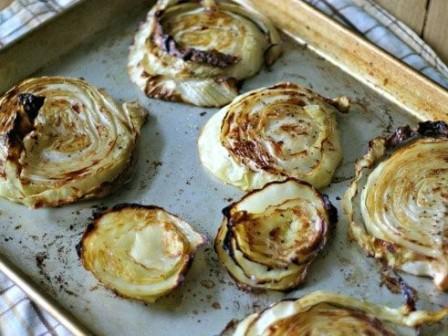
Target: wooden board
x: 436, y: 29
x: 4, y: 3
x: 428, y: 18
x: 103, y: 63
x: 411, y: 12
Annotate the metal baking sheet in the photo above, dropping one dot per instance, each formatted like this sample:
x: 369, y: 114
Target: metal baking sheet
x: 168, y: 173
x: 59, y: 35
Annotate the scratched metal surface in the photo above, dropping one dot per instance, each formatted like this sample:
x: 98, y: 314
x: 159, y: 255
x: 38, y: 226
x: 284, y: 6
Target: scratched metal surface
x: 168, y: 173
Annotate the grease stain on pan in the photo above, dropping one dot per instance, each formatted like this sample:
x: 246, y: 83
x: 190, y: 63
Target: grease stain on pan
x: 170, y: 137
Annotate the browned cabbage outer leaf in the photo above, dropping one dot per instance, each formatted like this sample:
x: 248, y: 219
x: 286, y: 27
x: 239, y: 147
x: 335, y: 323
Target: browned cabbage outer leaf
x: 397, y: 205
x: 140, y: 252
x: 271, y: 133
x: 325, y: 313
x: 198, y: 52
x: 62, y: 140
x: 268, y: 239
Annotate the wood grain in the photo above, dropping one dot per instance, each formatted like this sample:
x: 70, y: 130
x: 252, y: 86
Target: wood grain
x: 371, y: 65
x: 428, y: 18
x: 4, y: 3
x: 436, y: 28
x: 411, y: 12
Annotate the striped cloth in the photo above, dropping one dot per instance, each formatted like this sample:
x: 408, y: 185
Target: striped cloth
x: 18, y: 315
x: 22, y: 16
x: 21, y: 317
x: 374, y: 23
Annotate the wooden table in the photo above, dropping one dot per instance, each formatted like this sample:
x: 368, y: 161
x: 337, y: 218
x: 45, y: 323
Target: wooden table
x: 429, y: 18
x: 4, y: 3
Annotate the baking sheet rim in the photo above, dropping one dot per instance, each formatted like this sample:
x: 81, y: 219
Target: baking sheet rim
x: 65, y: 317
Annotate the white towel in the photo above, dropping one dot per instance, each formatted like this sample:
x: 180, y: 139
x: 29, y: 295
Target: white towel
x: 18, y: 315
